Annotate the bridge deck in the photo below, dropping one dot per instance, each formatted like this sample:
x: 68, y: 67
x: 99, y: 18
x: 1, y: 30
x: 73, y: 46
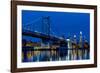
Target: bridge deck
x: 41, y: 35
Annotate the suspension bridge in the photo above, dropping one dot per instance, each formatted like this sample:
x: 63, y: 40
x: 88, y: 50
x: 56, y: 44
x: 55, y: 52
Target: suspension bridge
x: 40, y: 28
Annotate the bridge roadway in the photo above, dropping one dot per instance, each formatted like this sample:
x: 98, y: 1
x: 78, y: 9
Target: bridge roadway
x: 43, y: 36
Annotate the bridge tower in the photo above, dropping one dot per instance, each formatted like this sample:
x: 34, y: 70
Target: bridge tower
x: 46, y: 29
x: 46, y: 25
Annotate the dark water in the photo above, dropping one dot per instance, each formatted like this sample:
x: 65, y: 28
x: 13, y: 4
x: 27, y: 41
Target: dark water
x: 59, y: 54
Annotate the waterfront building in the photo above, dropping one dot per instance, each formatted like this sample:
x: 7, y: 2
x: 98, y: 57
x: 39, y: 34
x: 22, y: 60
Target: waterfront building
x: 80, y: 40
x: 80, y: 47
x: 74, y: 48
x: 69, y: 45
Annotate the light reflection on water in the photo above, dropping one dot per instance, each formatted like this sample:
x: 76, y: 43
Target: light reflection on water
x: 59, y: 54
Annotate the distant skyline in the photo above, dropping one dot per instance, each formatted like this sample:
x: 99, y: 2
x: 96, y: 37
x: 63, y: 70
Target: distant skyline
x: 61, y: 23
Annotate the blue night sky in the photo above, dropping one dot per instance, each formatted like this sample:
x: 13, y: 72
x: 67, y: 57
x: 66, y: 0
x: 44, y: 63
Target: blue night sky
x: 61, y: 23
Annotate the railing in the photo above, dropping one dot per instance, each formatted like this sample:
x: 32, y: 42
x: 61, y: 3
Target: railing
x: 30, y: 54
